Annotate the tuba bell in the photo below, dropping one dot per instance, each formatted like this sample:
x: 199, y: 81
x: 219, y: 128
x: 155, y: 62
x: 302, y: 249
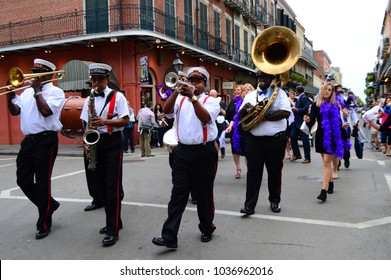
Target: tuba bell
x: 274, y: 51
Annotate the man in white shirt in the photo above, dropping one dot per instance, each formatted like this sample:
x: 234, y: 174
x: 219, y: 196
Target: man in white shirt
x: 112, y: 115
x: 39, y: 107
x: 146, y: 122
x: 195, y: 157
x: 265, y: 143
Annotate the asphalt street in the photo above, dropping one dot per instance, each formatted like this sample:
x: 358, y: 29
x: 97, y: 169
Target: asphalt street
x: 353, y: 224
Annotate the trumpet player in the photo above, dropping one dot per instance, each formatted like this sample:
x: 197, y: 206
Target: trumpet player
x: 265, y: 143
x: 112, y: 115
x: 195, y: 157
x: 39, y: 107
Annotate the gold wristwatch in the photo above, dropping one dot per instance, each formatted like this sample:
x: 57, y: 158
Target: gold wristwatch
x: 193, y: 99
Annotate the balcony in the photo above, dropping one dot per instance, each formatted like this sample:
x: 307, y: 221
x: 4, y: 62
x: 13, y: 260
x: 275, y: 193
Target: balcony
x: 247, y: 10
x: 307, y: 56
x: 125, y: 20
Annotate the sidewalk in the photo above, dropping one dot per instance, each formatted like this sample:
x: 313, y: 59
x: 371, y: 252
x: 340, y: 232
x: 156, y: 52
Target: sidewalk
x: 63, y: 150
x: 72, y: 150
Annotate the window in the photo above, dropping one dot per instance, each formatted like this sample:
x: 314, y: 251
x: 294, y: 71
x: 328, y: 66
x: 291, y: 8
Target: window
x: 97, y: 16
x: 217, y: 32
x: 229, y: 37
x: 146, y: 14
x: 272, y: 11
x: 204, y: 26
x: 189, y: 21
x: 245, y: 46
x: 237, y: 43
x: 169, y: 18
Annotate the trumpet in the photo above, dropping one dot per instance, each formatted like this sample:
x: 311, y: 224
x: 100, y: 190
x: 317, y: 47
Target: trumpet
x: 18, y: 79
x: 171, y: 80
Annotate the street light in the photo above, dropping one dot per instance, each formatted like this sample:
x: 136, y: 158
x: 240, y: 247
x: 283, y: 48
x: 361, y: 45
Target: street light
x: 177, y: 63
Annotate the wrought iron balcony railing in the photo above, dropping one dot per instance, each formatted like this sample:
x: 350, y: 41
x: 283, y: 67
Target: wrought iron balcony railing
x: 117, y: 18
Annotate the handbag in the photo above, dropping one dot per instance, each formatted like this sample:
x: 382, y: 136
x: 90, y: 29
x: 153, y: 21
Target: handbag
x: 304, y: 128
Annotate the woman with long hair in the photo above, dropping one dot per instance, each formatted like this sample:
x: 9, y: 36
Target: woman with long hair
x: 232, y: 129
x: 328, y: 140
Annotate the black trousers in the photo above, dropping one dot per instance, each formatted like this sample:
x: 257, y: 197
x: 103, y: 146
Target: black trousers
x: 34, y: 165
x: 128, y: 134
x: 193, y: 170
x: 109, y: 178
x: 92, y: 184
x: 264, y: 151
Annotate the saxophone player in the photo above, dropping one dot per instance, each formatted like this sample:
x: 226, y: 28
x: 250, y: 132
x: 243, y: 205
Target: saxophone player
x: 265, y: 143
x: 112, y: 115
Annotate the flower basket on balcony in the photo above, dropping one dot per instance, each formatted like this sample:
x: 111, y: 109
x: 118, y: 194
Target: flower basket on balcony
x: 370, y: 78
x: 369, y: 91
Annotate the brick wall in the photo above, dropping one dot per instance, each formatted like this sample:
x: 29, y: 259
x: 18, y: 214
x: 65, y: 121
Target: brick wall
x: 16, y: 11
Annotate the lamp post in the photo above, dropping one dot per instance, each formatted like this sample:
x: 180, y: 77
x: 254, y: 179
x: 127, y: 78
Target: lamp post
x: 177, y: 63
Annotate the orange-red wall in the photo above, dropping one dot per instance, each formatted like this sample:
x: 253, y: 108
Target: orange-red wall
x: 123, y: 56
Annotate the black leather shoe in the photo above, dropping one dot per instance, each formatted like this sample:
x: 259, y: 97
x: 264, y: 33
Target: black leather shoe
x: 160, y: 241
x: 109, y: 240
x: 206, y: 237
x: 93, y: 206
x: 323, y: 195
x: 247, y: 211
x: 41, y: 233
x: 104, y: 230
x: 347, y: 163
x: 275, y: 207
x: 330, y: 190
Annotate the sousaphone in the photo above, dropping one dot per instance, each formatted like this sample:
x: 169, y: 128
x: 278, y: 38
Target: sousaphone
x: 274, y: 51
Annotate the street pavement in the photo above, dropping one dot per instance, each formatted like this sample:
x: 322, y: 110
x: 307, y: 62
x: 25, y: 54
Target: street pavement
x: 353, y: 224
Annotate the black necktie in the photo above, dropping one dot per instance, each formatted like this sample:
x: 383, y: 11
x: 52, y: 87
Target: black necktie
x: 99, y: 93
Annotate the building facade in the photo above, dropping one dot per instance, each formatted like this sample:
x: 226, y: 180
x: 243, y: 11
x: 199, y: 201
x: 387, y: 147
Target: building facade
x: 140, y: 39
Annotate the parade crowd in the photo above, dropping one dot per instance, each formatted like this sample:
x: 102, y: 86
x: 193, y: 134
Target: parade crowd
x: 264, y: 124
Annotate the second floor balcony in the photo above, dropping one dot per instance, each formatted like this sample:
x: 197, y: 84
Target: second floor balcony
x: 124, y: 20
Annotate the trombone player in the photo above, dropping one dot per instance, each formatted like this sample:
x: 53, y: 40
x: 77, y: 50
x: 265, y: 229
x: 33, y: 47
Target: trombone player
x: 39, y: 107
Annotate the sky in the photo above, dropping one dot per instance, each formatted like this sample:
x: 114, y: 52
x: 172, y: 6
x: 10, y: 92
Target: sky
x: 349, y: 31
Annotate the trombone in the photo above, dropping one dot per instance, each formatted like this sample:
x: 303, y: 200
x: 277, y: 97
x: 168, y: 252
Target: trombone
x: 18, y: 79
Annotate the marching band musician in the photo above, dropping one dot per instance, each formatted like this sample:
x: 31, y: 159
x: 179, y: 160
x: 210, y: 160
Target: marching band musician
x: 39, y: 107
x: 195, y: 164
x: 265, y: 144
x: 92, y: 185
x: 112, y: 116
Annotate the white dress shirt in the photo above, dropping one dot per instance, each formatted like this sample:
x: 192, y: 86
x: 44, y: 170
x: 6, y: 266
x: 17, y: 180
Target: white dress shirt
x: 120, y: 109
x: 269, y: 128
x: 189, y: 129
x: 31, y: 120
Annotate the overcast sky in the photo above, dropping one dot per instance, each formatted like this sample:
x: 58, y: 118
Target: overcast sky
x: 349, y: 31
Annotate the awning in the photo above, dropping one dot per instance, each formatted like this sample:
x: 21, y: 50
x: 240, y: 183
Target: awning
x: 77, y: 74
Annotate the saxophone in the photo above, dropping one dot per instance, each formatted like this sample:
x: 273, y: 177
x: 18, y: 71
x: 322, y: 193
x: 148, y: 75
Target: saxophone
x: 91, y: 136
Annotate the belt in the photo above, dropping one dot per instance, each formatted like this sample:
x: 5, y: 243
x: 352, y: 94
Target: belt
x: 40, y: 134
x: 108, y: 134
x: 278, y: 134
x: 195, y: 145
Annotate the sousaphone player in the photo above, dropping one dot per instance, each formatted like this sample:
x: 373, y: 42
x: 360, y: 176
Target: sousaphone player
x: 264, y: 112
